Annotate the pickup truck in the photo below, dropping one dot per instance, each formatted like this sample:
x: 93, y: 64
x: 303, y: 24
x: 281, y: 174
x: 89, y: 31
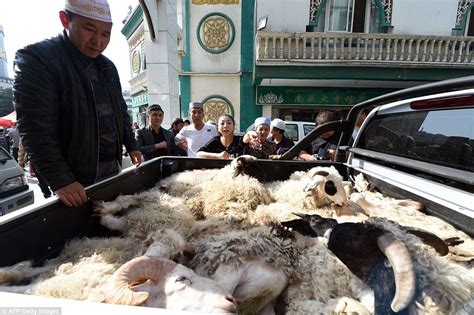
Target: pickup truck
x: 415, y: 144
x: 294, y: 130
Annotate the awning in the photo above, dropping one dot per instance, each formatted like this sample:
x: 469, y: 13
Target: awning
x: 5, y: 122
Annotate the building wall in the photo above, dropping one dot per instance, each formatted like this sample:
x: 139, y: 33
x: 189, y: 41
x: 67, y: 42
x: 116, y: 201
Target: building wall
x: 203, y: 61
x: 284, y: 15
x: 420, y: 17
x: 227, y: 87
x: 424, y: 17
x: 207, y: 72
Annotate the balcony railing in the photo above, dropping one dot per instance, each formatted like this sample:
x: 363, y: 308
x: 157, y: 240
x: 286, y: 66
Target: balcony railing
x: 371, y: 49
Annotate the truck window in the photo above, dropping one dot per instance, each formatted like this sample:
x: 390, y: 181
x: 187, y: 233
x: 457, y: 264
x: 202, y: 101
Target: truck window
x: 444, y: 137
x: 291, y: 131
x: 308, y: 128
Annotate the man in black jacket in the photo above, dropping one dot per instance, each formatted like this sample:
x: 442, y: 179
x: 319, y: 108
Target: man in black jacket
x: 154, y: 140
x: 71, y: 113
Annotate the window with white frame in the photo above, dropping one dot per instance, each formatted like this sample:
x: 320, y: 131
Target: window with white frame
x: 349, y: 16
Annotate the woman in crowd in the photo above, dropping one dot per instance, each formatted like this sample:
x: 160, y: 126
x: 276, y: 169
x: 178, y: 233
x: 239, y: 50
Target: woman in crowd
x: 256, y: 142
x: 224, y: 146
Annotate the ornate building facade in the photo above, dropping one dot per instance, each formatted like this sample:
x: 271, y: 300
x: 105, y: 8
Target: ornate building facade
x: 291, y: 58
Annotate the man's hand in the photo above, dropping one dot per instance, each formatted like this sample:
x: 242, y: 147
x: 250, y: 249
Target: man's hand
x: 72, y: 195
x: 135, y: 157
x: 161, y: 145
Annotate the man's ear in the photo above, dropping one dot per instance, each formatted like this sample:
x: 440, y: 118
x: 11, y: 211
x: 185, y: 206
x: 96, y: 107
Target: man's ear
x: 64, y: 19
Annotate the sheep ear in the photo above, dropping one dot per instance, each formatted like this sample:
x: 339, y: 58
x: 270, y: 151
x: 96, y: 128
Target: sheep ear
x: 321, y: 173
x: 430, y: 239
x: 312, y: 184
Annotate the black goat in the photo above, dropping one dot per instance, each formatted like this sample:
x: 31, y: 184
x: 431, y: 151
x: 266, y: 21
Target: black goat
x: 372, y: 254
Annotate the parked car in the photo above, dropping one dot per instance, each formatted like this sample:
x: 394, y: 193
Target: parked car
x: 14, y: 190
x: 295, y: 130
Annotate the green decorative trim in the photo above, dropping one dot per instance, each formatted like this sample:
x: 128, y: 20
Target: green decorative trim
x: 381, y: 9
x: 231, y: 107
x: 198, y: 33
x: 359, y: 73
x: 462, y: 26
x: 318, y: 14
x: 133, y: 22
x: 326, y: 96
x: 248, y: 107
x: 185, y: 81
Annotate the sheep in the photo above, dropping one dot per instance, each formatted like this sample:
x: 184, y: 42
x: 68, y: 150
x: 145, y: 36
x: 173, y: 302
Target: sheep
x: 220, y: 195
x: 356, y: 244
x: 257, y: 264
x: 409, y: 213
x: 97, y: 272
x: 158, y: 282
x: 216, y: 213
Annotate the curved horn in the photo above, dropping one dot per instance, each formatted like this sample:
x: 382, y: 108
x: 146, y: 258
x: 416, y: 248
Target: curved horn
x: 403, y: 270
x: 136, y: 269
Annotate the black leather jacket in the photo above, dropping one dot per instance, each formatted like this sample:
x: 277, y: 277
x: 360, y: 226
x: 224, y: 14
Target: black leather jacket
x: 56, y: 111
x: 146, y: 143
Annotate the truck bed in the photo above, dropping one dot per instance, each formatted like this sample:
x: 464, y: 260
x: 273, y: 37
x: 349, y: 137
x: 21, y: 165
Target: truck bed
x: 39, y: 233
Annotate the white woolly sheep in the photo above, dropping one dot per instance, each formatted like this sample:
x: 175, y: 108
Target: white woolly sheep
x: 317, y: 280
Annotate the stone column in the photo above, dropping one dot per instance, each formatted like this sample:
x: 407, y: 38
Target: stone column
x: 162, y: 58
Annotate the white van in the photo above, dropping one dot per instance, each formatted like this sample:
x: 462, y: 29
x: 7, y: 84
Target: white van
x: 295, y: 130
x: 14, y: 190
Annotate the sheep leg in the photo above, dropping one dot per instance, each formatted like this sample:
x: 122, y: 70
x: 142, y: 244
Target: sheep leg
x: 255, y: 285
x: 120, y: 203
x: 113, y: 223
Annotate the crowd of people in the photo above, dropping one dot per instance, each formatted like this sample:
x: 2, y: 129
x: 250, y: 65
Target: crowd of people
x: 217, y: 140
x: 74, y: 122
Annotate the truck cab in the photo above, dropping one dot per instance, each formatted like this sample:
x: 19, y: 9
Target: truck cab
x: 422, y: 147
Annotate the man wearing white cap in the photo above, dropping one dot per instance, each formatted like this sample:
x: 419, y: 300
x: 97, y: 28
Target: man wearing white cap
x: 193, y: 137
x: 278, y: 137
x: 71, y: 113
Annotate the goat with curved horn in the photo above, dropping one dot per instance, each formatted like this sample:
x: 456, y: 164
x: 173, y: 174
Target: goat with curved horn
x: 160, y: 282
x: 365, y: 248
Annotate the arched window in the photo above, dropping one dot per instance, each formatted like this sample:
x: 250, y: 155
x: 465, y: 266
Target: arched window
x: 350, y: 16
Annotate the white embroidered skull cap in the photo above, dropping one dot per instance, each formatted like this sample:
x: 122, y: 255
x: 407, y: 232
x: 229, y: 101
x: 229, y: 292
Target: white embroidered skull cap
x: 94, y: 9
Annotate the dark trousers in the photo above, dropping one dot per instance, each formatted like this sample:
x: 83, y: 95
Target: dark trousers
x: 15, y: 153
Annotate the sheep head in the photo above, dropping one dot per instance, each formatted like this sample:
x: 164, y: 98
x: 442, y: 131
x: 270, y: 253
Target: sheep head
x: 248, y: 165
x: 160, y: 282
x: 325, y: 185
x: 363, y: 247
